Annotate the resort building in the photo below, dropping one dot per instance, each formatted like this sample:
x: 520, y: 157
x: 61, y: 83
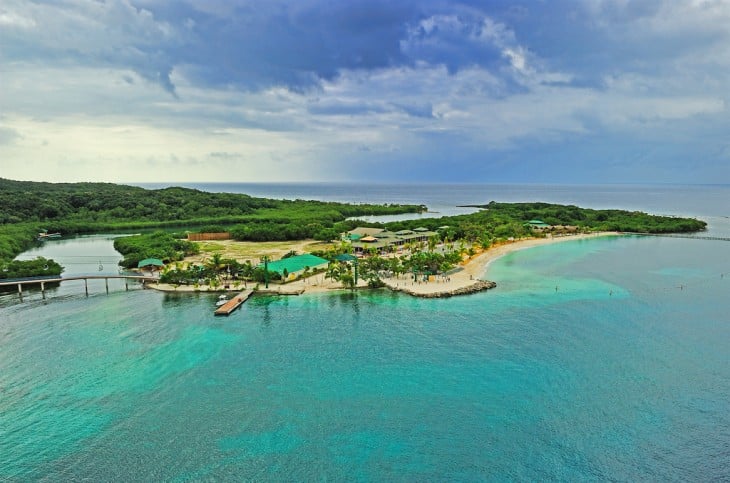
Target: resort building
x: 537, y: 225
x: 150, y: 264
x: 362, y: 231
x: 557, y: 230
x: 366, y: 239
x: 296, y: 265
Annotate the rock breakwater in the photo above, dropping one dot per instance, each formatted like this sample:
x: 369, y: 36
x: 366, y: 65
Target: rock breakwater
x: 477, y: 286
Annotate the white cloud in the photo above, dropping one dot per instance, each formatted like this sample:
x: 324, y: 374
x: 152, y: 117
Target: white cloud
x: 80, y: 149
x: 11, y: 19
x: 116, y: 129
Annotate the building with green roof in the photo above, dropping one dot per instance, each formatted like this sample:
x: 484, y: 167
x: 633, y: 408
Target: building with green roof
x: 387, y: 240
x: 537, y: 224
x: 295, y: 265
x: 150, y: 262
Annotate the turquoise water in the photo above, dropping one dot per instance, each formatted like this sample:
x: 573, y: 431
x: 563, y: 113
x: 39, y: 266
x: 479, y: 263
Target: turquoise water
x: 593, y: 360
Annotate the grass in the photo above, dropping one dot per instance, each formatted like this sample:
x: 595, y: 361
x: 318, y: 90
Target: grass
x: 241, y: 250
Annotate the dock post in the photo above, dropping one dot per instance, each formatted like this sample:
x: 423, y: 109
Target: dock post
x: 20, y: 291
x: 86, y: 286
x: 43, y: 290
x: 106, y: 282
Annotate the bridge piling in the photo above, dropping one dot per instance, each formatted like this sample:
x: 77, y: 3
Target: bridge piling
x: 43, y: 281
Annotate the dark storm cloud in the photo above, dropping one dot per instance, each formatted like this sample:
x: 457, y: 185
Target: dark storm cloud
x: 500, y: 88
x: 254, y: 45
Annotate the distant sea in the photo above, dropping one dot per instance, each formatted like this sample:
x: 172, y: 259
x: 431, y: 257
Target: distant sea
x: 709, y: 202
x: 601, y: 359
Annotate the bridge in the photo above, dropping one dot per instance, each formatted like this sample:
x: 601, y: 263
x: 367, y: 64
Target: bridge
x: 42, y: 281
x: 678, y: 235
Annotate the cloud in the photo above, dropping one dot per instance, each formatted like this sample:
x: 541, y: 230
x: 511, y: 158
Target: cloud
x: 10, y: 19
x: 101, y: 34
x: 493, y: 90
x: 291, y: 44
x: 8, y: 135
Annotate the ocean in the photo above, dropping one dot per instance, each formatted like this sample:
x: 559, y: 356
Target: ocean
x: 599, y: 359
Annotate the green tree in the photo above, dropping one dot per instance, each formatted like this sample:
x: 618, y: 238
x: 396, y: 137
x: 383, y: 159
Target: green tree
x: 432, y: 242
x: 215, y: 262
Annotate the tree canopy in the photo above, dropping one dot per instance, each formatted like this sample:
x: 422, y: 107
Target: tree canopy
x: 27, y: 207
x: 69, y: 208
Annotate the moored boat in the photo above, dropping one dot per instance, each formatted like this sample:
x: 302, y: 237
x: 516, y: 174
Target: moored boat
x: 44, y: 235
x: 221, y: 300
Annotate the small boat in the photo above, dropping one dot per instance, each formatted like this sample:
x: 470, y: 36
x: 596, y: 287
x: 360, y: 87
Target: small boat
x: 44, y: 235
x: 221, y: 300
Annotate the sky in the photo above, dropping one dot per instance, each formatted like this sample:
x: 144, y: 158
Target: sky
x: 581, y: 91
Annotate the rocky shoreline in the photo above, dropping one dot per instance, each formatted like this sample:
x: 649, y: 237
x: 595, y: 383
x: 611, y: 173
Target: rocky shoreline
x: 477, y: 286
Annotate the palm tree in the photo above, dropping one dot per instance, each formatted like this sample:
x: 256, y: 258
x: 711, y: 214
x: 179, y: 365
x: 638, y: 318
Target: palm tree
x: 345, y: 247
x: 247, y: 270
x: 348, y: 281
x: 216, y: 262
x: 395, y: 266
x: 432, y: 242
x: 484, y: 242
x: 334, y: 271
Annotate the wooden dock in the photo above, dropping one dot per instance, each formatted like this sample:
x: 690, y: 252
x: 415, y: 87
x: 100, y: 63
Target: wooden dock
x: 234, y: 303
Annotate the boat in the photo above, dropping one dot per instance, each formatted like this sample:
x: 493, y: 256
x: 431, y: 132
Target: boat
x: 44, y: 235
x: 221, y: 300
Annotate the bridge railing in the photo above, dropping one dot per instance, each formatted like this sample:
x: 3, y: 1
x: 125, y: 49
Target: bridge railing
x: 40, y: 278
x: 58, y: 279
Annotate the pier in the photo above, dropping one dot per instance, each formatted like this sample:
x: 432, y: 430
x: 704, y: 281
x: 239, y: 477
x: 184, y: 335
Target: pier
x: 42, y: 281
x: 234, y: 303
x: 678, y: 235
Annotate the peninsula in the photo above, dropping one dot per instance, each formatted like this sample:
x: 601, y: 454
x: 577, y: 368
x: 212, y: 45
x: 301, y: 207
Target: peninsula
x: 218, y: 241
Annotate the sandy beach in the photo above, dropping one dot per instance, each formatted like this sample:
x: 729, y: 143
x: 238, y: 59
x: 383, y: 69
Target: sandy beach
x: 476, y: 269
x: 470, y: 276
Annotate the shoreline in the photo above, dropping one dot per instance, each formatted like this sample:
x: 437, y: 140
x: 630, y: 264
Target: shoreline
x: 469, y: 278
x: 472, y: 276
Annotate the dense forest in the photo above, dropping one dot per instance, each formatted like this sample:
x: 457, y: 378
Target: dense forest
x: 504, y: 220
x: 160, y: 245
x: 71, y: 208
x: 86, y: 206
x: 40, y: 267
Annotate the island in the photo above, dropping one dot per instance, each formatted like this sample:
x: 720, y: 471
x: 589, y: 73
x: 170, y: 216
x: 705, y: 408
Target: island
x: 200, y: 241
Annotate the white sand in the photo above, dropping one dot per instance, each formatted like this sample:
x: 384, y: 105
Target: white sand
x: 476, y: 268
x: 473, y: 270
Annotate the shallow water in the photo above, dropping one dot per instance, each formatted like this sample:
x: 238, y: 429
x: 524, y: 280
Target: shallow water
x: 597, y: 359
